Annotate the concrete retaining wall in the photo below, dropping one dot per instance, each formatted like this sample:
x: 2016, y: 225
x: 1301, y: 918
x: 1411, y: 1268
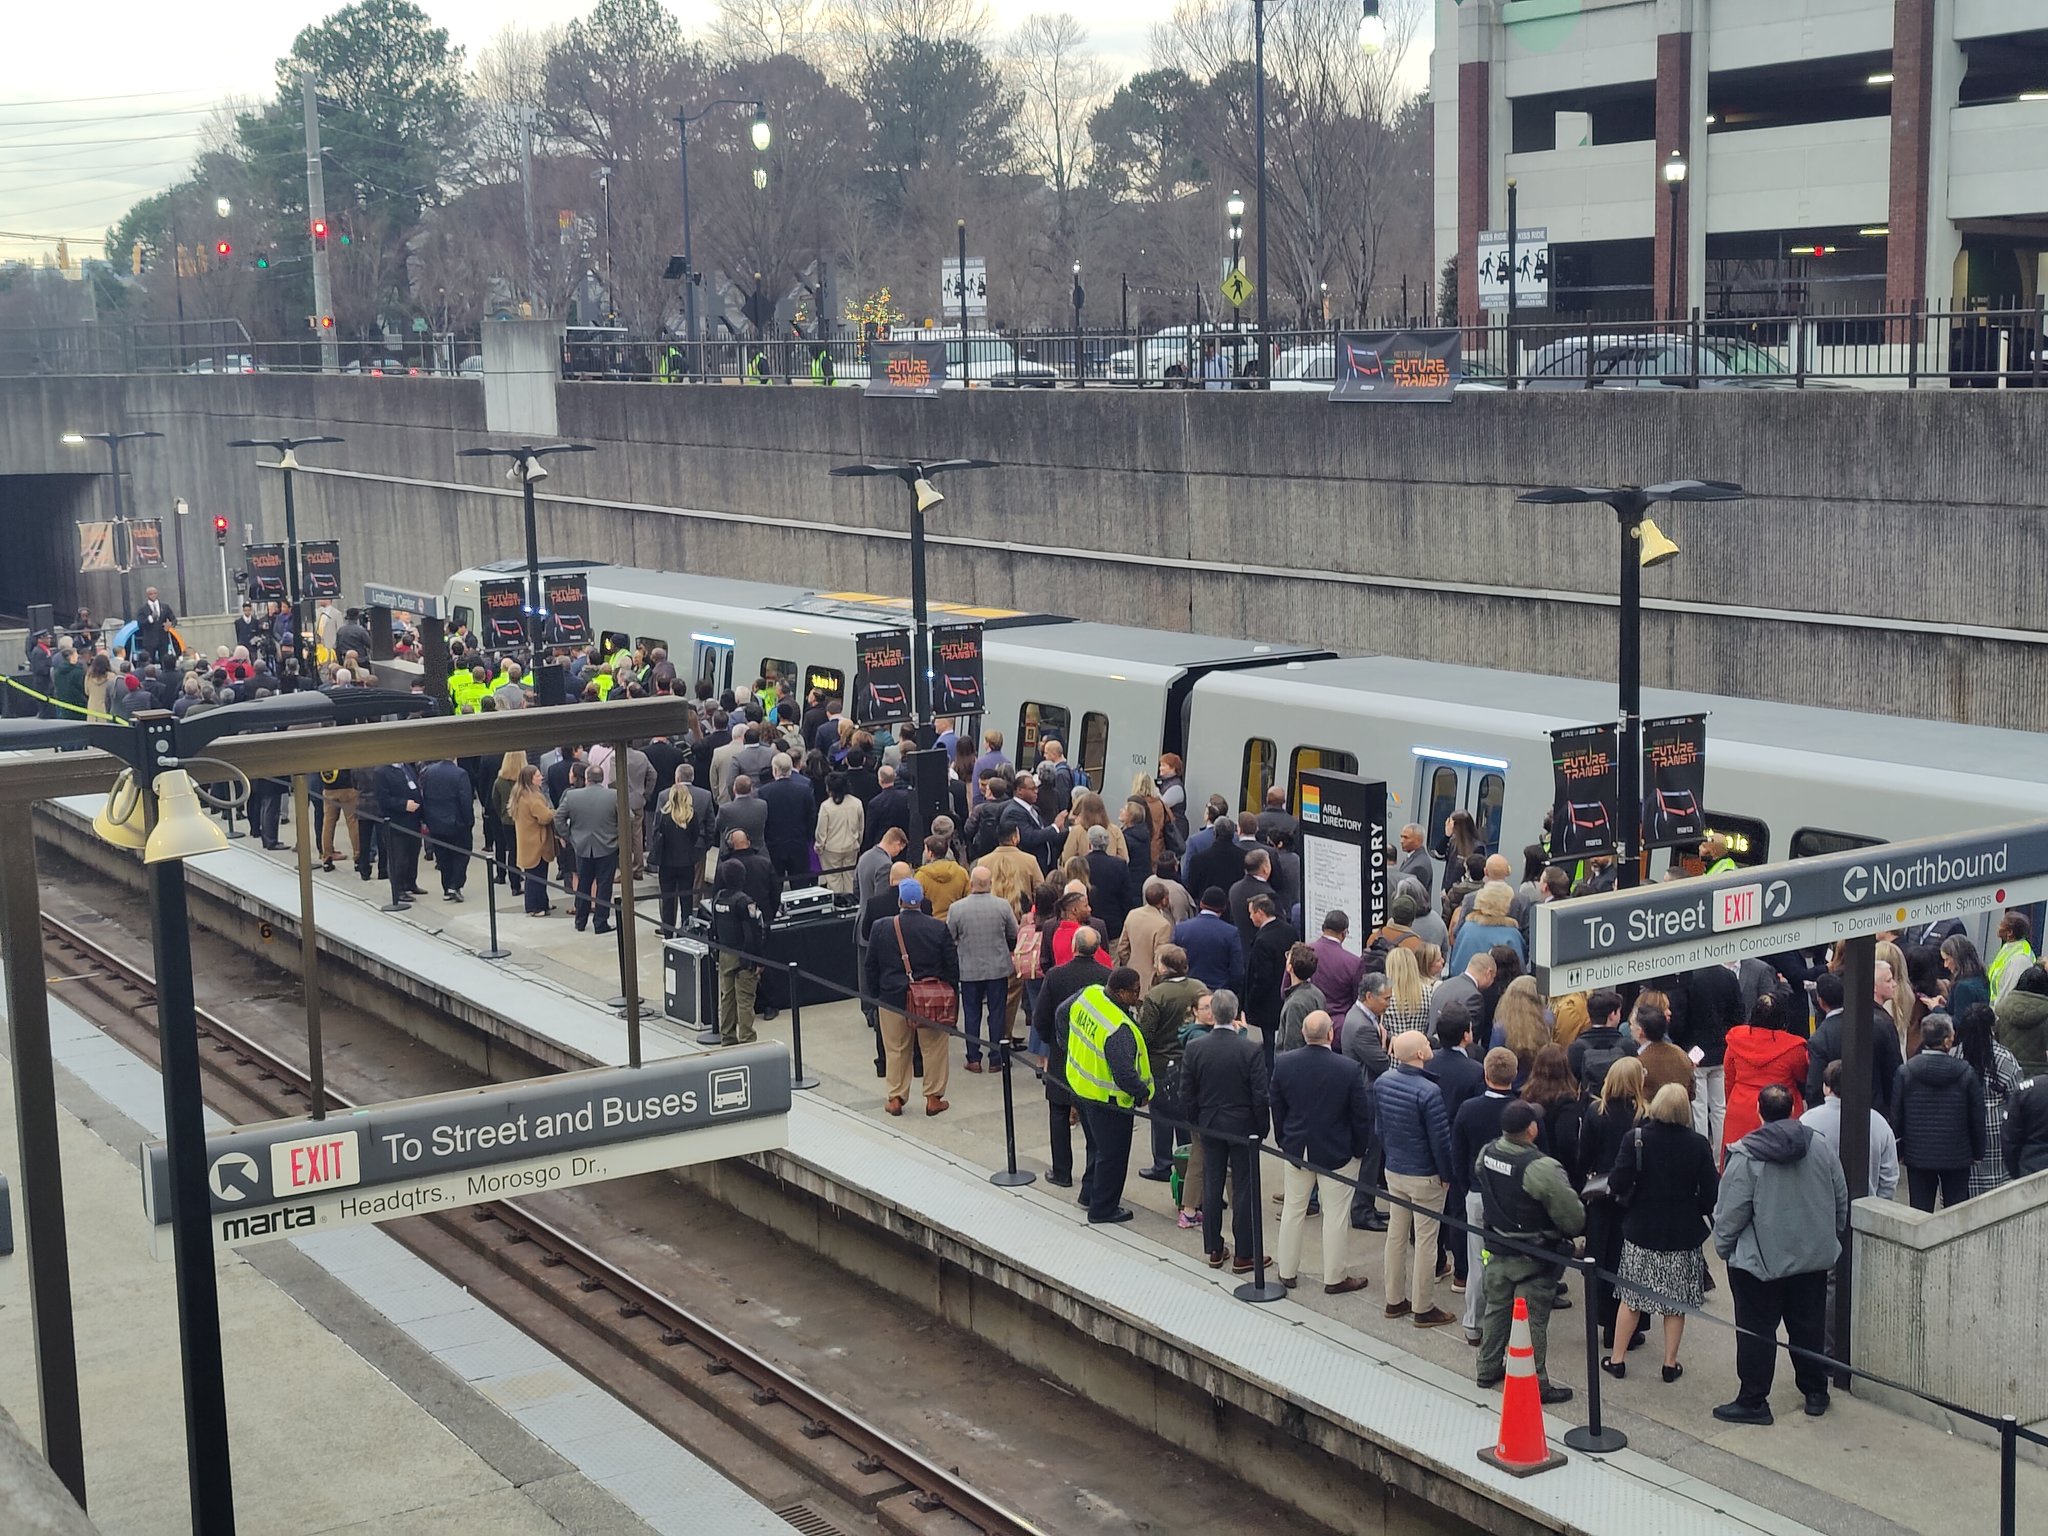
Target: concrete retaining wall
x: 1894, y: 554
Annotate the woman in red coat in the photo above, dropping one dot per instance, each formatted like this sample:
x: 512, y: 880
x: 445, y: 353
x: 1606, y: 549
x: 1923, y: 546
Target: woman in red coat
x: 1760, y: 1053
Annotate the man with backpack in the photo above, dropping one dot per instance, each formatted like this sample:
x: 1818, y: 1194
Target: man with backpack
x: 1601, y: 1043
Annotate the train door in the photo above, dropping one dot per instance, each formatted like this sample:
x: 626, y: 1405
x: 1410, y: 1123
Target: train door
x: 1447, y: 782
x: 711, y: 662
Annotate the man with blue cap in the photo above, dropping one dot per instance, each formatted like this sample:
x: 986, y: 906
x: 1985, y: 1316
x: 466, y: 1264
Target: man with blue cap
x: 913, y: 974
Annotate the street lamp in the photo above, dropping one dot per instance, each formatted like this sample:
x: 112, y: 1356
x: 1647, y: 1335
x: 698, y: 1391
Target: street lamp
x: 222, y: 207
x: 527, y: 469
x: 762, y: 136
x: 123, y: 549
x: 1372, y: 31
x: 923, y: 497
x: 1643, y: 544
x: 611, y: 299
x: 1674, y: 181
x: 294, y: 587
x: 1080, y: 358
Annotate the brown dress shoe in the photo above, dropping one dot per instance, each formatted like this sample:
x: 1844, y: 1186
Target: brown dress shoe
x: 1397, y: 1309
x: 1346, y: 1286
x: 936, y: 1106
x: 1244, y: 1265
x: 1435, y: 1317
x: 1219, y: 1258
x: 894, y: 1106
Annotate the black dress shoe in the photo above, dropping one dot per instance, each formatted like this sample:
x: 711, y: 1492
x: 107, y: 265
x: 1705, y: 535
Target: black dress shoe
x: 1370, y: 1224
x: 1059, y: 1183
x: 1816, y: 1404
x: 1553, y: 1392
x: 1156, y: 1175
x: 1121, y: 1213
x: 1739, y: 1412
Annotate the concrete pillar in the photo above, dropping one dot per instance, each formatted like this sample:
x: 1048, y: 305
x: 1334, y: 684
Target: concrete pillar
x: 1476, y: 31
x: 1674, y: 131
x: 1913, y: 71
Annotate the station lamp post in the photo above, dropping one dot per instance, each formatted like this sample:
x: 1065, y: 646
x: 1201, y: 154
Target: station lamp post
x: 122, y: 547
x: 762, y: 136
x: 294, y: 584
x: 1643, y: 544
x: 1674, y: 182
x: 527, y: 469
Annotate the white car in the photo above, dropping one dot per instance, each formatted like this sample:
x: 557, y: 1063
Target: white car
x: 1149, y: 360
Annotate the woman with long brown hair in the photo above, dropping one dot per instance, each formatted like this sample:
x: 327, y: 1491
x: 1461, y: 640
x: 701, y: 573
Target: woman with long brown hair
x: 533, y: 824
x: 1519, y: 1024
x: 1553, y: 1089
x: 1088, y: 811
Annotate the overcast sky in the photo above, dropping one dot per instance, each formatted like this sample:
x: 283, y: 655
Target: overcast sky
x: 112, y: 105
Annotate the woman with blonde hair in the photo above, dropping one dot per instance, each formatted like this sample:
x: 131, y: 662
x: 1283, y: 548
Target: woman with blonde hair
x: 507, y: 845
x: 1665, y: 1171
x: 1618, y: 1104
x: 1408, y: 1004
x: 1906, y: 1010
x: 1490, y: 923
x: 1519, y: 1024
x: 1089, y: 811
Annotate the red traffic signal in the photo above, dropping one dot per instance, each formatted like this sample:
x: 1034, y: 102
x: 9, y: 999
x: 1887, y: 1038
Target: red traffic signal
x: 319, y: 229
x: 220, y: 529
x: 222, y: 248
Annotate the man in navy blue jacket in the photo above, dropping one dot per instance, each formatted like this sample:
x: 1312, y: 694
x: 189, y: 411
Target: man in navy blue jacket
x: 1322, y: 1121
x: 1215, y: 953
x: 399, y: 803
x: 1412, y: 1127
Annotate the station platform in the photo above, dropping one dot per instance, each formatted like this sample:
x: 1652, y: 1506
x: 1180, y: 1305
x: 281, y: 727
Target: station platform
x: 1396, y: 1403
x: 366, y: 1392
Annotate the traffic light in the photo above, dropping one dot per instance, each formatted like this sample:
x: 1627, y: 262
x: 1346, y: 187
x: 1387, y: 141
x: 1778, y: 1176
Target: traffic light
x: 220, y: 529
x: 222, y: 248
x: 344, y: 237
x: 262, y: 263
x: 319, y: 231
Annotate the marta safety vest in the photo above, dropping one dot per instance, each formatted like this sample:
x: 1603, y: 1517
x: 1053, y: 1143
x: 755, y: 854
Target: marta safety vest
x: 1095, y: 1017
x: 821, y: 367
x: 1724, y: 866
x: 2017, y: 950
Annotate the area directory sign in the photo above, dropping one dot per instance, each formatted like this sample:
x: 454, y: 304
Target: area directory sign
x: 1343, y: 824
x: 419, y: 1156
x: 1593, y: 941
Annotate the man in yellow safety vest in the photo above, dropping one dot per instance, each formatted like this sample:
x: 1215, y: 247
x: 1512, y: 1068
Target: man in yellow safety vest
x: 1109, y: 1075
x: 1714, y: 854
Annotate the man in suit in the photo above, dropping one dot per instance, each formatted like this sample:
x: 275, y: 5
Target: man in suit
x: 1273, y: 821
x: 911, y: 945
x: 1215, y: 953
x: 1110, y: 882
x: 890, y: 807
x: 721, y: 760
x: 588, y: 819
x: 1226, y: 1091
x: 398, y: 802
x: 448, y: 806
x: 1713, y: 1006
x: 1466, y: 987
x: 1215, y: 823
x: 755, y: 758
x: 1222, y: 863
x: 1415, y: 859
x: 1322, y: 1120
x: 1257, y: 881
x: 152, y: 623
x: 1036, y: 835
x: 1265, y: 969
x: 792, y: 820
x: 745, y: 812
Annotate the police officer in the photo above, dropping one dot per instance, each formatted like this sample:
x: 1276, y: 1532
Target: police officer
x: 1109, y: 1075
x: 1527, y: 1197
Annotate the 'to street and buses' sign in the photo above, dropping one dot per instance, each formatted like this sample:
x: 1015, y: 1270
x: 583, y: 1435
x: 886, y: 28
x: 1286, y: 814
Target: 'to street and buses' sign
x: 1594, y: 941
x: 419, y: 1156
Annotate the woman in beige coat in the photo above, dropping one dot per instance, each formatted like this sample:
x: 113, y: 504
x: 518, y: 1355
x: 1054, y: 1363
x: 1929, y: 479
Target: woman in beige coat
x: 1089, y: 811
x: 840, y: 820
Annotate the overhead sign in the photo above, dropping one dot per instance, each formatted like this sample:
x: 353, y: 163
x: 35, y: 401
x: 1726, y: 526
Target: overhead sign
x: 1343, y: 852
x: 1593, y: 941
x: 567, y: 601
x: 320, y: 563
x: 266, y: 572
x: 1530, y: 264
x: 1237, y: 287
x: 419, y: 1156
x: 881, y: 677
x: 972, y: 284
x: 421, y: 605
x: 906, y: 368
x: 1397, y: 365
x: 504, y: 612
x: 1674, y: 781
x: 1585, y: 787
x: 146, y: 541
x: 956, y: 669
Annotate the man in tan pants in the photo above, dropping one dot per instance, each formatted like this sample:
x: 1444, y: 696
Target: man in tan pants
x: 338, y: 804
x: 912, y: 945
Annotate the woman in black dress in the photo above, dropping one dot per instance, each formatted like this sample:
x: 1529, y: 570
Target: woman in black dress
x: 1617, y: 1107
x: 1665, y: 1171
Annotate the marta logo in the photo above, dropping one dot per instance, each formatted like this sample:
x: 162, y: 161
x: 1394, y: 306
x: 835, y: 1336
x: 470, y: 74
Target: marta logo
x: 1311, y: 803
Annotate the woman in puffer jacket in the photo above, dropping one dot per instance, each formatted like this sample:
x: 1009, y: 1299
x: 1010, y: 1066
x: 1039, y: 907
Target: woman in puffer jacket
x: 1760, y: 1053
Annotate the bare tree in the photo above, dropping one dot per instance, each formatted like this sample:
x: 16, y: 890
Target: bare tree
x: 1062, y: 84
x: 762, y: 29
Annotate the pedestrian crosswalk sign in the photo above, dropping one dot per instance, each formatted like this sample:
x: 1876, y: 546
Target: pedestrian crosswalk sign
x: 1237, y: 287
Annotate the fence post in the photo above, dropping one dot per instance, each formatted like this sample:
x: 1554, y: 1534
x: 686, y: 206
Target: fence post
x: 1799, y: 341
x: 2040, y: 321
x: 1593, y: 1436
x: 1009, y: 1175
x: 496, y: 872
x: 1258, y: 1287
x: 1916, y: 337
x: 2008, y: 1476
x: 797, y: 1076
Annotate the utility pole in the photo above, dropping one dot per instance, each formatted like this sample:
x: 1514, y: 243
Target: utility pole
x: 526, y: 196
x: 316, y: 214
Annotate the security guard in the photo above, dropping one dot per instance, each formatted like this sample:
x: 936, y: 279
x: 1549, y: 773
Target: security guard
x: 757, y: 366
x: 1714, y: 854
x: 821, y: 367
x: 1109, y: 1075
x: 1527, y: 1197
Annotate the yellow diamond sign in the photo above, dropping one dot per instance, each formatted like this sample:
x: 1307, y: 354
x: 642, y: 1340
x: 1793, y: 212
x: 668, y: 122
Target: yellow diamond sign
x: 1237, y: 287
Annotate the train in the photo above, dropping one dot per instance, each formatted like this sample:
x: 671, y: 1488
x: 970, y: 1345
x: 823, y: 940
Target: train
x: 1782, y: 781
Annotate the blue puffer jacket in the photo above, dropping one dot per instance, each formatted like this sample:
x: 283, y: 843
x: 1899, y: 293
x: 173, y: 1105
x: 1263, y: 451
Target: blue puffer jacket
x: 1408, y: 1107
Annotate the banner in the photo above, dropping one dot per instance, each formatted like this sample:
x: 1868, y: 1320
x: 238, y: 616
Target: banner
x: 881, y: 677
x: 567, y: 600
x: 1397, y: 365
x: 956, y: 669
x: 320, y: 569
x: 266, y: 572
x: 504, y: 613
x: 95, y: 547
x: 146, y: 541
x: 1343, y: 852
x: 1674, y: 781
x: 1585, y: 783
x: 906, y: 368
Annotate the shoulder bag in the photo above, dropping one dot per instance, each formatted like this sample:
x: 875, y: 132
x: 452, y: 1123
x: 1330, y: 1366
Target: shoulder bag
x: 1599, y: 1187
x: 931, y: 1003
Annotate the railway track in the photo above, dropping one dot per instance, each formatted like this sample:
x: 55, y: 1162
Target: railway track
x: 819, y: 1437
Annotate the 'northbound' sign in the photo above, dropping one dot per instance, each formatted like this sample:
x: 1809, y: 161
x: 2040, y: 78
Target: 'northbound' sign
x: 419, y: 1156
x: 1593, y: 941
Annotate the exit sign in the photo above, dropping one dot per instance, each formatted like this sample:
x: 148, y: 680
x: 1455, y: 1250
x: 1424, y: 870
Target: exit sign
x: 1738, y: 907
x: 327, y: 1161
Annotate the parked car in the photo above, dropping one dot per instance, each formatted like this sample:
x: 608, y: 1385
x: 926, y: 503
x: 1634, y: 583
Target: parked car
x: 1661, y: 362
x: 234, y: 362
x: 1181, y: 345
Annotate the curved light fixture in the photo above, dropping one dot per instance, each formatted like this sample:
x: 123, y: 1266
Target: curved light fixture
x: 1372, y: 31
x: 763, y: 134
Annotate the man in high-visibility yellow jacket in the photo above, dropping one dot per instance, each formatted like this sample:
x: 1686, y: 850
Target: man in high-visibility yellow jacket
x: 1714, y: 854
x: 1108, y: 1073
x: 2015, y: 954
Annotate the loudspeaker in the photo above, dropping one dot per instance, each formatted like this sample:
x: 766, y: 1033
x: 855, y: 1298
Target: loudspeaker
x: 928, y: 794
x: 380, y: 632
x: 42, y: 616
x: 550, y: 683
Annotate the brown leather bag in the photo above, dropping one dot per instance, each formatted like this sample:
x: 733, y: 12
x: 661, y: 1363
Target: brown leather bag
x: 932, y: 1004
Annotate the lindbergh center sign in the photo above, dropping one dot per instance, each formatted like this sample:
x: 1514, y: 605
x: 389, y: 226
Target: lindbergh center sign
x: 1593, y: 941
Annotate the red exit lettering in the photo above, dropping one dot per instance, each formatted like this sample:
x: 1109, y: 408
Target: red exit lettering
x: 315, y: 1164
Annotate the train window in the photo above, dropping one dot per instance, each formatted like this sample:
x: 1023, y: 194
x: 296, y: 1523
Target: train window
x: 1260, y: 758
x: 649, y: 644
x: 463, y: 618
x: 1810, y: 842
x: 1493, y: 789
x: 1095, y: 750
x: 1443, y: 799
x: 1749, y: 842
x: 826, y: 681
x: 1035, y: 722
x: 1308, y: 759
x: 610, y: 642
x: 773, y: 672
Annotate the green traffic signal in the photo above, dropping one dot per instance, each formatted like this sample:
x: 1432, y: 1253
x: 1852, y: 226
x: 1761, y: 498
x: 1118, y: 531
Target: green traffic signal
x: 262, y: 262
x: 344, y: 237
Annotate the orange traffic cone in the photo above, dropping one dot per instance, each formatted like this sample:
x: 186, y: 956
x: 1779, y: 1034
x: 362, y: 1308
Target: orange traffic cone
x: 1521, y: 1449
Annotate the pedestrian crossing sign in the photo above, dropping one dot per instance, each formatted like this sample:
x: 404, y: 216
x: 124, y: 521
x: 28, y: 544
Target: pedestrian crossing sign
x: 1237, y: 287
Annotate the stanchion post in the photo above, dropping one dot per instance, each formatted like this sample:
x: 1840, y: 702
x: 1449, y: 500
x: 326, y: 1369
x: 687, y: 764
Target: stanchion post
x: 496, y: 872
x: 2008, y: 1476
x: 1592, y: 1436
x: 1009, y: 1176
x: 309, y: 944
x: 1259, y: 1288
x: 798, y: 1078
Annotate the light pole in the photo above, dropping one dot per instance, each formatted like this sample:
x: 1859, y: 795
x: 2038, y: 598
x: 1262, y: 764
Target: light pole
x: 611, y: 300
x: 1234, y: 211
x: 1642, y: 544
x: 180, y: 510
x: 527, y: 469
x: 1080, y: 358
x: 923, y: 497
x: 1674, y: 181
x: 122, y: 548
x: 293, y: 586
x: 763, y: 136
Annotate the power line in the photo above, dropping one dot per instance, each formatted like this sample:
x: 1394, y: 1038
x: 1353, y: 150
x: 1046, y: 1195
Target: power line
x: 121, y: 117
x: 74, y: 101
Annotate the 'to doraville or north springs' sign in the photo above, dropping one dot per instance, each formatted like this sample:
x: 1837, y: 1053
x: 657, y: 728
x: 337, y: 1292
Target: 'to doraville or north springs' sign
x: 1594, y: 941
x: 419, y: 1156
